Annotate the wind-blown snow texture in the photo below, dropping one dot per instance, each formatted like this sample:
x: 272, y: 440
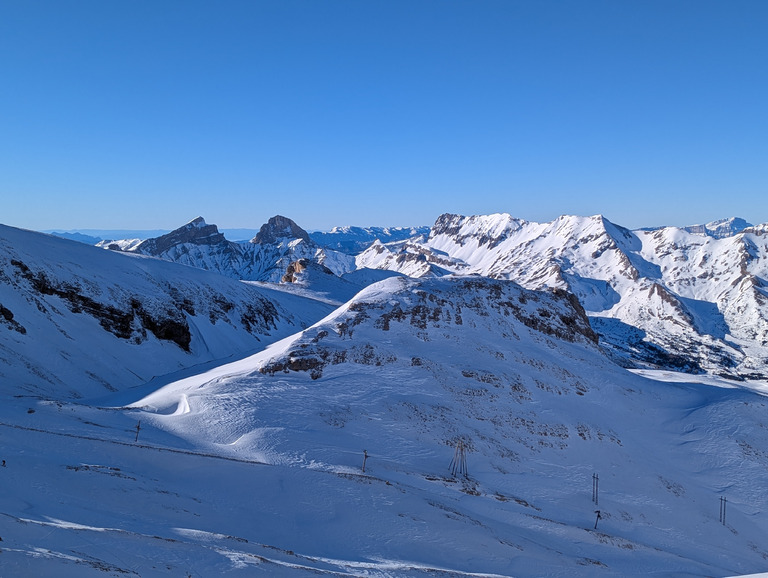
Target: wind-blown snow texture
x: 255, y: 466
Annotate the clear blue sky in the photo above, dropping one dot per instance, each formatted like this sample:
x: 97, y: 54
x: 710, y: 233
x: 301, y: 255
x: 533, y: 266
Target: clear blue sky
x: 147, y: 113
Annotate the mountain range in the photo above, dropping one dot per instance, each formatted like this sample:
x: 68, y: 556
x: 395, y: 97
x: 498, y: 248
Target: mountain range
x: 690, y: 299
x: 493, y: 397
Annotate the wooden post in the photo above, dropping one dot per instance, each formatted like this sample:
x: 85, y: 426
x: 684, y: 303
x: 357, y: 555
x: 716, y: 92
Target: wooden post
x: 138, y: 428
x: 365, y: 459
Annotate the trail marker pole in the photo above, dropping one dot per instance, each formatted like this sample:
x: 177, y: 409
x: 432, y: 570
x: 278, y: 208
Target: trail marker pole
x: 599, y: 517
x: 595, y: 488
x: 723, y: 504
x: 138, y: 428
x: 365, y: 459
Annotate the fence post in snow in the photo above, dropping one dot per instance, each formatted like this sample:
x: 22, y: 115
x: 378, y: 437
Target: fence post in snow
x: 138, y: 428
x: 365, y: 458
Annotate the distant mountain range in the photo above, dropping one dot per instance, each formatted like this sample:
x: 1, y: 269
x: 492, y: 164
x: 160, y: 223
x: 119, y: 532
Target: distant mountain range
x: 350, y: 240
x: 690, y: 299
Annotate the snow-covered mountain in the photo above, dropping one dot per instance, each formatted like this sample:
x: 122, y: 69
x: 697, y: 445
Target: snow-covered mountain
x: 342, y: 448
x: 334, y: 452
x: 266, y: 257
x: 79, y: 321
x: 354, y: 240
x: 693, y: 298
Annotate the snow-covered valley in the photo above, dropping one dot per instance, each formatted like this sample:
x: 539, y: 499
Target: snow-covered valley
x: 320, y: 438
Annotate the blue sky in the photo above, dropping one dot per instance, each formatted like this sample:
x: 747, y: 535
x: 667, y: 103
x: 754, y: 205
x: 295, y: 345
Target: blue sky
x: 147, y: 113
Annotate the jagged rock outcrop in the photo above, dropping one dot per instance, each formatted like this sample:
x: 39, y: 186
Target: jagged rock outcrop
x: 295, y: 270
x: 427, y: 308
x: 196, y: 232
x: 278, y: 229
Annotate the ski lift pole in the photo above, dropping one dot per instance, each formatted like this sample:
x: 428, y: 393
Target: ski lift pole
x: 459, y: 461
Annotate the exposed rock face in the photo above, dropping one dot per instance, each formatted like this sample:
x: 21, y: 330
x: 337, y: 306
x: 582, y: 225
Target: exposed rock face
x: 6, y: 317
x: 292, y: 270
x: 488, y: 232
x: 432, y: 309
x: 279, y: 228
x: 297, y: 268
x: 132, y: 320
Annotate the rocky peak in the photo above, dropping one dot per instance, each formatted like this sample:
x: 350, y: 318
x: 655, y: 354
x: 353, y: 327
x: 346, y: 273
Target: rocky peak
x: 196, y: 232
x: 279, y: 227
x: 295, y: 268
x: 487, y: 230
x: 447, y: 224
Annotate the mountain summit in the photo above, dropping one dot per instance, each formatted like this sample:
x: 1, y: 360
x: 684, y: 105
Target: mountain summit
x: 278, y: 228
x: 196, y: 232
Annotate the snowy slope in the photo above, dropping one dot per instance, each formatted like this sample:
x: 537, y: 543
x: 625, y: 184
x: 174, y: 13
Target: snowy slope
x: 79, y: 321
x: 266, y: 257
x: 667, y: 297
x: 255, y: 467
x: 408, y: 368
